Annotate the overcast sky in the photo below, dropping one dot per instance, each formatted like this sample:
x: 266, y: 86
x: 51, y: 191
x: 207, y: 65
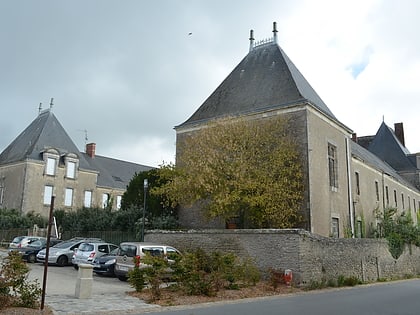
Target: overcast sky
x: 129, y: 71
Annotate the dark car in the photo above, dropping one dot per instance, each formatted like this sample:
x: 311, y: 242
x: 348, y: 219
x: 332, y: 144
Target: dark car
x: 105, y: 264
x: 29, y: 253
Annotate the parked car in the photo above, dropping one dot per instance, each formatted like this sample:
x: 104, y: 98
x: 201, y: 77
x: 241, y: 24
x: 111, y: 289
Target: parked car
x: 88, y: 251
x: 23, y: 241
x: 15, y: 242
x: 62, y: 253
x: 105, y: 264
x: 29, y: 252
x: 129, y: 250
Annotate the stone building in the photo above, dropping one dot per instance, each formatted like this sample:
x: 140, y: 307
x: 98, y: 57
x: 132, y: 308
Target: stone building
x: 43, y: 161
x: 345, y: 183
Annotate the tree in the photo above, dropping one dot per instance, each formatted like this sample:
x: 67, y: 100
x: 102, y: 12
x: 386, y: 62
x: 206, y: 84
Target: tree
x: 245, y: 169
x: 159, y: 214
x: 398, y: 229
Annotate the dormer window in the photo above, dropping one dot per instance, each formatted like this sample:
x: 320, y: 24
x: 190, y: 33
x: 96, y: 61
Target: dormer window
x: 51, y: 166
x: 51, y: 157
x: 71, y: 162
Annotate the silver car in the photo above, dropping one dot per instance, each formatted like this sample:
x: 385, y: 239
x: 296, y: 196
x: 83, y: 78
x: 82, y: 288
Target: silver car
x: 129, y: 251
x: 62, y: 253
x: 88, y: 251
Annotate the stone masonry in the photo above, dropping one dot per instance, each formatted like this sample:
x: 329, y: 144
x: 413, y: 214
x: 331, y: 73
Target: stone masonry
x: 309, y: 256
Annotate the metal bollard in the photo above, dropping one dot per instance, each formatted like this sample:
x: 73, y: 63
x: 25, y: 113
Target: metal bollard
x: 84, y: 282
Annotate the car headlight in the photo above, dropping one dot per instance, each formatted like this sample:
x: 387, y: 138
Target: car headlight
x: 110, y: 262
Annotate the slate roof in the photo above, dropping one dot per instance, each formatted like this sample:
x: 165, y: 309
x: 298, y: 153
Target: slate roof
x: 47, y: 132
x: 388, y: 148
x: 265, y: 79
x: 372, y: 160
x: 44, y: 132
x: 114, y: 173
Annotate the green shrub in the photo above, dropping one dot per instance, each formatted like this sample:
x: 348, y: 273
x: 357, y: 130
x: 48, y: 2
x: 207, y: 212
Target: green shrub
x: 351, y: 281
x: 136, y: 278
x: 200, y: 273
x: 15, y: 289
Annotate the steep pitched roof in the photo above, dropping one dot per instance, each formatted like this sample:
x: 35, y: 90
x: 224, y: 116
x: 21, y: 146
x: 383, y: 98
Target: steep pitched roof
x: 266, y: 78
x: 371, y: 159
x: 114, y: 173
x: 44, y: 132
x: 47, y: 132
x: 387, y: 147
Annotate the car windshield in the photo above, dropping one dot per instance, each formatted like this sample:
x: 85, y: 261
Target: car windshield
x: 113, y: 252
x: 86, y: 247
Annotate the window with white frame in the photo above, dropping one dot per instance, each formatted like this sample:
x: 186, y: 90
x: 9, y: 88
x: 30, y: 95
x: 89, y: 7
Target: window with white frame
x: 105, y: 200
x: 48, y: 192
x: 88, y: 199
x: 71, y: 169
x: 119, y: 198
x: 50, y: 167
x: 68, y: 197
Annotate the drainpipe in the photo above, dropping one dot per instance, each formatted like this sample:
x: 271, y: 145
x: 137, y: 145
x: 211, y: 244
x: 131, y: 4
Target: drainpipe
x: 349, y: 173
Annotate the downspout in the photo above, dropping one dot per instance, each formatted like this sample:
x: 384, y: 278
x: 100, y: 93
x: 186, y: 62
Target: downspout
x: 350, y: 201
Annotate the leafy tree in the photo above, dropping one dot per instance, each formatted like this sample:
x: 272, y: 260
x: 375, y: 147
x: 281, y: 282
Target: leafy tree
x: 159, y: 214
x: 246, y: 169
x: 399, y: 230
x: 11, y: 218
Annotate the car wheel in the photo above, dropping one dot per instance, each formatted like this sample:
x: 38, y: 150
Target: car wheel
x: 32, y: 258
x: 122, y: 278
x: 62, y: 261
x: 76, y: 267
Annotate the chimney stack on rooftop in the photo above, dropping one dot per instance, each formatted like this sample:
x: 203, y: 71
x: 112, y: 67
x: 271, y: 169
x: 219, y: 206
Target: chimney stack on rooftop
x: 275, y: 32
x: 90, y: 149
x: 399, y: 132
x: 251, y: 40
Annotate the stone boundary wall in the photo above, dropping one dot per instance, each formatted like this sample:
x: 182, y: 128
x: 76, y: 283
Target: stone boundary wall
x: 309, y: 256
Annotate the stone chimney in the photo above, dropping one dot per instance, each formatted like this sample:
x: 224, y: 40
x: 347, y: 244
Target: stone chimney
x: 90, y: 149
x: 399, y: 132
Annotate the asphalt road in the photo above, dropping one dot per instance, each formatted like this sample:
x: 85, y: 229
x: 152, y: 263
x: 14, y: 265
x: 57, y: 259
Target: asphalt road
x: 392, y: 298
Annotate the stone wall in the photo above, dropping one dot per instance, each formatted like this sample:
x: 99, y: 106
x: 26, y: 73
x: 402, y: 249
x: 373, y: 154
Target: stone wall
x: 310, y: 257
